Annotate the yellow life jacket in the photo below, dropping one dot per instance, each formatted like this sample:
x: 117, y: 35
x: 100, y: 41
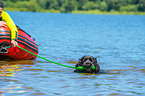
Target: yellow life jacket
x: 6, y: 17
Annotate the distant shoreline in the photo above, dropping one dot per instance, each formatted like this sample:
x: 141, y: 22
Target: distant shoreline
x: 112, y: 12
x: 81, y: 12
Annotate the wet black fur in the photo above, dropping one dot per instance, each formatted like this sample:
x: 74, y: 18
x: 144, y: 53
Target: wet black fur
x: 88, y: 62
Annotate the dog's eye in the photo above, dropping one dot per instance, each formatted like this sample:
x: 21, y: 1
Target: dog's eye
x: 90, y: 59
x: 85, y: 59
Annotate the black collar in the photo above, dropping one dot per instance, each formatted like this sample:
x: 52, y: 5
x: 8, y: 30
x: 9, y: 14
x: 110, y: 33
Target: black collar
x: 1, y: 19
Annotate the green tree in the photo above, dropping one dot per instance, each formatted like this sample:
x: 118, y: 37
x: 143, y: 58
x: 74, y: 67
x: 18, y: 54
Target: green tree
x: 68, y: 6
x: 103, y: 6
x: 129, y: 8
x: 13, y: 0
x: 113, y: 4
x: 22, y: 5
x: 141, y: 5
x: 81, y: 4
x: 60, y: 2
x: 33, y: 6
x: 89, y: 6
x: 54, y: 5
x: 42, y: 3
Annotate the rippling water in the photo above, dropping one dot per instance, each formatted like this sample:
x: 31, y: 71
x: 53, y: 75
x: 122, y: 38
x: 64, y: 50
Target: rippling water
x: 117, y: 41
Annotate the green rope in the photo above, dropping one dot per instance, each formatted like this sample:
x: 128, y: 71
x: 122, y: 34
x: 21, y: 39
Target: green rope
x: 45, y: 58
x: 8, y: 47
x: 77, y: 68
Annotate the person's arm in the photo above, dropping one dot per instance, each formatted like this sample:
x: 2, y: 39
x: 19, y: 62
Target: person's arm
x: 12, y: 26
x: 14, y: 33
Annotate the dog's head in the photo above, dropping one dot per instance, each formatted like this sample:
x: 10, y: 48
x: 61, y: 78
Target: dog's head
x: 89, y: 64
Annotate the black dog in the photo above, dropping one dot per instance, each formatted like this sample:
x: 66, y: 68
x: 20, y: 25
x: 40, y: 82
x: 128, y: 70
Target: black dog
x: 89, y: 64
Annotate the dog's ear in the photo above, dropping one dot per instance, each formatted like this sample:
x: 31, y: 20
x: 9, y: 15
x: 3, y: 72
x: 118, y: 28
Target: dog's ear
x: 79, y: 62
x: 82, y: 59
x: 97, y: 68
x: 94, y: 60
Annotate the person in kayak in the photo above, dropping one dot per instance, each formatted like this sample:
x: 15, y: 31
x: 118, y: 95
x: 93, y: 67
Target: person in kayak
x: 5, y: 20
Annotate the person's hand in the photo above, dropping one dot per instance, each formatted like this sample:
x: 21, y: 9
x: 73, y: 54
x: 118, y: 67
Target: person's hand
x: 2, y: 23
x: 14, y: 43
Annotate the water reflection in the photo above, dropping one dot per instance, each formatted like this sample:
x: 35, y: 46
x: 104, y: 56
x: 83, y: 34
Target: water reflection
x: 9, y: 76
x: 8, y: 68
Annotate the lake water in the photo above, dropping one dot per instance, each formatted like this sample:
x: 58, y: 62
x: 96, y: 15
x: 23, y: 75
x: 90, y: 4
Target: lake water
x: 117, y: 41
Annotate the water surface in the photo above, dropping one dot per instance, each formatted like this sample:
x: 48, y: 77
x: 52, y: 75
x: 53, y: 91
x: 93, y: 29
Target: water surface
x: 117, y: 41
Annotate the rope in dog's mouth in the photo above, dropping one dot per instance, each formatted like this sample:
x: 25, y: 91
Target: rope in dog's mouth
x: 77, y: 68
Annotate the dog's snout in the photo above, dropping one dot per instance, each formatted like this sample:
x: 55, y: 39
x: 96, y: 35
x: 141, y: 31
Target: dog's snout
x: 89, y: 63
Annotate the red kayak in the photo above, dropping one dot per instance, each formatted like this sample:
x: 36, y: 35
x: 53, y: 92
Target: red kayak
x: 24, y: 40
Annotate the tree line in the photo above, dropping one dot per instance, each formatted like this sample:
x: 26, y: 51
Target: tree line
x: 67, y: 6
